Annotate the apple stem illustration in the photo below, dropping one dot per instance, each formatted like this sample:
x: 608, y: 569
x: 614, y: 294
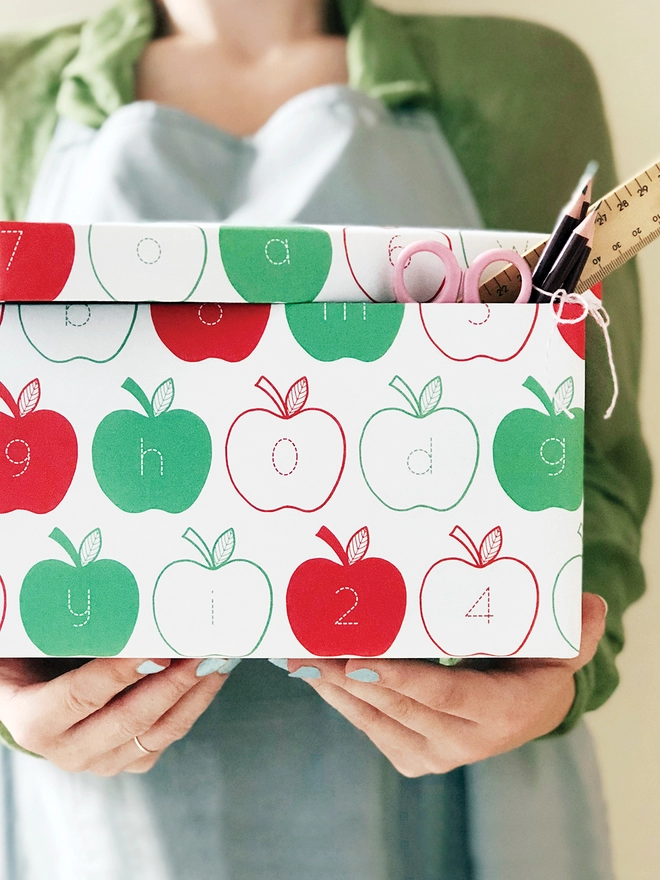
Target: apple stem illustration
x: 9, y: 400
x: 200, y: 544
x: 222, y: 549
x: 326, y: 535
x: 428, y: 400
x: 537, y: 389
x: 296, y: 397
x: 59, y: 536
x: 463, y: 538
x: 133, y: 388
x: 406, y: 391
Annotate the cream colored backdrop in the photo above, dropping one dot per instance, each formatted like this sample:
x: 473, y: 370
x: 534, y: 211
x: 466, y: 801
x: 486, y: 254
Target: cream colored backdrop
x: 622, y: 41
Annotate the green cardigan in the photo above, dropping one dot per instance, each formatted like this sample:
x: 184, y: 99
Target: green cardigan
x: 521, y: 108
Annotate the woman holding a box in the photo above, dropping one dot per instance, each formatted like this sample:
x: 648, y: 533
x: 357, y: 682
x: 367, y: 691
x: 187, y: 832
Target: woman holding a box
x: 365, y: 769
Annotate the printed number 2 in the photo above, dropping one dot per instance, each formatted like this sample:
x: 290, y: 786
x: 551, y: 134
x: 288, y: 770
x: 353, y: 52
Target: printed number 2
x: 478, y: 608
x: 340, y: 620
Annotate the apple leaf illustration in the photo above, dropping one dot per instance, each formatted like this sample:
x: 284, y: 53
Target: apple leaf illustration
x: 163, y: 397
x: 564, y: 396
x: 28, y: 399
x: 490, y: 546
x: 430, y: 396
x: 224, y: 547
x: 296, y: 397
x: 90, y: 547
x: 358, y: 546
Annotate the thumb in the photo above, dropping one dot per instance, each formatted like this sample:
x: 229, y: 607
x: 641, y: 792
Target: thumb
x: 594, y: 612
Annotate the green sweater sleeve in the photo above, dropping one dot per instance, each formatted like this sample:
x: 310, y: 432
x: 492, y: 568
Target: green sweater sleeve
x: 30, y: 76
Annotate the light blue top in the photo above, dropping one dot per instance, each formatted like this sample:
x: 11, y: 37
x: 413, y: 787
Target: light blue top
x: 272, y: 783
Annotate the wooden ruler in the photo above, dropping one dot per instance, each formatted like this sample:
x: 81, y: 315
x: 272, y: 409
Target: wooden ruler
x: 627, y: 219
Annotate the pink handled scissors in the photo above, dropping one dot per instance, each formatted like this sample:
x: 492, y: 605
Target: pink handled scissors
x: 457, y: 281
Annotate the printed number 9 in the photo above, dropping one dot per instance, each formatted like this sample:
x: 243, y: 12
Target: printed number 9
x: 11, y: 451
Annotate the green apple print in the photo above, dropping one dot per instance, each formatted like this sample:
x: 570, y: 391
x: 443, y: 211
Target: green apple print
x: 157, y: 461
x: 86, y: 609
x: 330, y: 331
x: 268, y: 265
x: 538, y: 455
x: 218, y: 606
x: 423, y: 456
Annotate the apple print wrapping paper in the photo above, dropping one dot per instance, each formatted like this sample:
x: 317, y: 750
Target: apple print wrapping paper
x: 347, y: 476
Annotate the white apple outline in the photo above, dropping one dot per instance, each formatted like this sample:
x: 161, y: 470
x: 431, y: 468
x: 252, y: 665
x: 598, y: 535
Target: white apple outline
x: 373, y: 271
x: 446, y: 605
x: 231, y: 624
x: 396, y: 455
x: 95, y: 332
x: 272, y: 470
x: 466, y: 331
x: 567, y: 603
x: 138, y: 263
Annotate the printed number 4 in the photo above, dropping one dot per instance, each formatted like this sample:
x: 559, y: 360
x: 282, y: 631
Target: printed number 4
x: 19, y: 235
x: 340, y: 620
x: 480, y: 606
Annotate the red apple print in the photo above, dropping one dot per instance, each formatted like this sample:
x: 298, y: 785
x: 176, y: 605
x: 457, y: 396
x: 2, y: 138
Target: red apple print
x: 355, y: 606
x: 293, y: 457
x: 197, y: 331
x: 35, y: 260
x: 575, y: 334
x: 3, y: 602
x: 487, y: 605
x: 38, y: 453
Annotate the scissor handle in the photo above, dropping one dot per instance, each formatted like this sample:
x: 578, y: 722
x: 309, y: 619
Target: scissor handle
x: 497, y: 255
x: 453, y: 273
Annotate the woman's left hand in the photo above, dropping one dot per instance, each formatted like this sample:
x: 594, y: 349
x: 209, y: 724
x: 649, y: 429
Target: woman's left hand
x: 428, y: 718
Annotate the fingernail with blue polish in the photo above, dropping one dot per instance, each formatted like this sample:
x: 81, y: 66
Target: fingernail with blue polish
x: 449, y: 661
x: 211, y: 664
x: 363, y: 675
x: 150, y: 668
x: 306, y: 672
x: 228, y: 665
x: 280, y: 662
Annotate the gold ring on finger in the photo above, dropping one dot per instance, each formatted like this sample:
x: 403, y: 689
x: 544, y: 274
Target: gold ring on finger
x: 142, y: 748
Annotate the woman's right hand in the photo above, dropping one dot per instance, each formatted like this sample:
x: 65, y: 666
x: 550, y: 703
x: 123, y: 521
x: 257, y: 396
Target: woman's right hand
x: 86, y: 719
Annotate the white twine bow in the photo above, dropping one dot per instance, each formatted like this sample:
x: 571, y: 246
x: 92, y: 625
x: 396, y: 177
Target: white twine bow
x: 591, y: 305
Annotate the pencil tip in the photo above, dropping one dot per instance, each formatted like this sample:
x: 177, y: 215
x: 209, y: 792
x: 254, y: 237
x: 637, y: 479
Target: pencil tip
x: 587, y: 227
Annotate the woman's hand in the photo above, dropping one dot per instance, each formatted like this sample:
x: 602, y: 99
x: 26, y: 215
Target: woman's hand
x: 429, y: 718
x: 86, y: 718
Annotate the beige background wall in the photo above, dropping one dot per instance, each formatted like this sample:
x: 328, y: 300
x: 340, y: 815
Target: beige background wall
x: 621, y: 40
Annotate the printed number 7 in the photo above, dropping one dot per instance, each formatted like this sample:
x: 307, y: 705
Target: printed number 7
x: 19, y: 235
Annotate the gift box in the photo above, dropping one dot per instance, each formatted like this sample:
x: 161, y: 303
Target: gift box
x: 233, y: 441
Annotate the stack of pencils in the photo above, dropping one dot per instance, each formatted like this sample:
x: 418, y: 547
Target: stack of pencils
x: 568, y: 249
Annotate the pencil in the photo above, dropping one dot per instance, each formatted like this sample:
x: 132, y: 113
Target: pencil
x: 580, y: 242
x: 569, y: 219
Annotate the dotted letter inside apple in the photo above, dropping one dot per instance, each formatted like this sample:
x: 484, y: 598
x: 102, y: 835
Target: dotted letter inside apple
x: 81, y: 312
x: 277, y: 251
x: 18, y: 448
x: 284, y: 457
x: 420, y: 461
x: 549, y: 455
x: 143, y: 454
